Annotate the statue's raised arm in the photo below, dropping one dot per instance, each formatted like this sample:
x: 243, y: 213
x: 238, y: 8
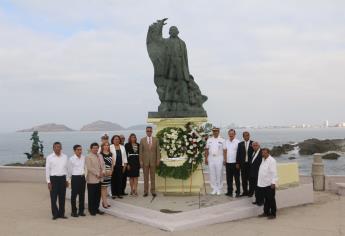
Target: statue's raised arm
x: 156, y: 46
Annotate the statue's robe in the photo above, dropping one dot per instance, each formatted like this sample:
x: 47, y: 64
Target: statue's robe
x: 176, y: 71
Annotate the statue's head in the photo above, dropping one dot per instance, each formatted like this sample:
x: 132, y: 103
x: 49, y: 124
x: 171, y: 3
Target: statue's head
x: 173, y: 31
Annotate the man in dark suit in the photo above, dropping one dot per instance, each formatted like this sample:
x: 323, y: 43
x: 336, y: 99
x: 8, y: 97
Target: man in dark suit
x: 243, y: 158
x: 125, y: 173
x: 253, y: 174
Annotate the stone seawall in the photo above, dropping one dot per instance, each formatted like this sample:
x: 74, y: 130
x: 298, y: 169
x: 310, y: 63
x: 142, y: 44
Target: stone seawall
x: 37, y: 175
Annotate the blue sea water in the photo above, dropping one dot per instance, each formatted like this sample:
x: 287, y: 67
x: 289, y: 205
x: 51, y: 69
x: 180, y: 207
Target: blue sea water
x: 13, y: 145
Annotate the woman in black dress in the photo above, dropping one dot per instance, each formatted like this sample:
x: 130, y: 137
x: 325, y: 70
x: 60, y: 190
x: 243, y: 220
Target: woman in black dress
x: 120, y: 160
x: 108, y: 161
x: 133, y: 166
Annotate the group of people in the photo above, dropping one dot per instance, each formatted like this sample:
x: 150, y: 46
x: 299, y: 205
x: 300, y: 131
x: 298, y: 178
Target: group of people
x: 244, y: 162
x: 105, y: 170
x: 108, y: 165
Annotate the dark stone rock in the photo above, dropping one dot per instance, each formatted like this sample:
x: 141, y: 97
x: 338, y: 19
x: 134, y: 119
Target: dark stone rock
x: 331, y: 156
x: 15, y: 164
x: 277, y: 151
x: 311, y: 146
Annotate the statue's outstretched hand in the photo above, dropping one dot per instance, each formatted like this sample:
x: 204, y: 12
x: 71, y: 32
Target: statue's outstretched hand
x: 162, y: 21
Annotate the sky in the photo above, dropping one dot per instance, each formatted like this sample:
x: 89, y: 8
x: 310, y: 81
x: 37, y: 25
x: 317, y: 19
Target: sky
x: 259, y: 62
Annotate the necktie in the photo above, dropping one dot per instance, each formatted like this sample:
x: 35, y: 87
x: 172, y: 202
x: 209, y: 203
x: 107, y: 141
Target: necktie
x: 246, y: 146
x: 150, y: 142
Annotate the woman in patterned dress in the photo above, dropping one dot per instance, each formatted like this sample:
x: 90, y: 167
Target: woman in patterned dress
x: 108, y: 161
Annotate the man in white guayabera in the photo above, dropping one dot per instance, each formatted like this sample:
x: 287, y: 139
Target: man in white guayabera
x: 215, y: 157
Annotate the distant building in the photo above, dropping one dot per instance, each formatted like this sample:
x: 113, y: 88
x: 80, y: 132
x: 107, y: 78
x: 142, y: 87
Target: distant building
x: 340, y: 124
x: 326, y: 124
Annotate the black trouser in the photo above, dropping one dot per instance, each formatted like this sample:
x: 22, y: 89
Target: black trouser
x: 254, y: 189
x: 245, y: 177
x: 78, y: 189
x: 116, y: 181
x: 253, y: 181
x: 124, y: 181
x: 232, y: 173
x: 270, y: 206
x: 94, y: 196
x: 58, y: 190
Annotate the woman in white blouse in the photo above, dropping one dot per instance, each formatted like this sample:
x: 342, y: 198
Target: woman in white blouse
x: 120, y: 159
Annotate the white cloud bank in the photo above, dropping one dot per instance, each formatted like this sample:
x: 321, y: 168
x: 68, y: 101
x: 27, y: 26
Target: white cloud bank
x: 73, y: 62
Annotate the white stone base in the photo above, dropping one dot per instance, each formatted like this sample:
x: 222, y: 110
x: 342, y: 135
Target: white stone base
x: 234, y: 210
x: 341, y: 189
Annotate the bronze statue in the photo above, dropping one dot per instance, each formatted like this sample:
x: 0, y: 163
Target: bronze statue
x: 179, y: 94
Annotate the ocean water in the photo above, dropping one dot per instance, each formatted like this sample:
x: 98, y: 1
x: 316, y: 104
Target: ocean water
x: 13, y: 145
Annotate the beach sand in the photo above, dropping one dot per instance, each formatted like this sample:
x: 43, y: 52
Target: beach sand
x: 25, y: 210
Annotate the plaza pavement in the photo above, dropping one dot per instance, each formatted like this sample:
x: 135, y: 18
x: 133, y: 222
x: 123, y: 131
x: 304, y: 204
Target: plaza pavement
x: 25, y: 210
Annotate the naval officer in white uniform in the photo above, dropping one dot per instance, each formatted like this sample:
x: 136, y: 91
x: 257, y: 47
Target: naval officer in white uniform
x: 215, y: 157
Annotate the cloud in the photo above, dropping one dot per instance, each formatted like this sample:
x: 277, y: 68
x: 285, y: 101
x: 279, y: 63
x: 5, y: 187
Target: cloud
x: 61, y: 56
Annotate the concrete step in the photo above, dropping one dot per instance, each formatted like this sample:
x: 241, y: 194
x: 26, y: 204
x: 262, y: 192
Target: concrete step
x: 233, y: 210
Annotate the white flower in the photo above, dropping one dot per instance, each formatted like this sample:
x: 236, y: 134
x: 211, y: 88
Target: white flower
x: 190, y: 139
x: 191, y: 147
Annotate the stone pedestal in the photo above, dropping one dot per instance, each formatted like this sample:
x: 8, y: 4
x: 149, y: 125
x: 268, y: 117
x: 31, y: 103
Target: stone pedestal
x: 318, y: 173
x: 195, y: 182
x: 162, y: 123
x: 192, y: 185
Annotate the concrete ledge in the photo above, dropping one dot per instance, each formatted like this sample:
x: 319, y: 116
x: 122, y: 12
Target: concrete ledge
x: 331, y: 182
x: 22, y: 174
x: 231, y: 211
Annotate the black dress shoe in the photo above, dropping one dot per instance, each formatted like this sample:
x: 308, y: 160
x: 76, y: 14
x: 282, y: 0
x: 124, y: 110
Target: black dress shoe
x: 55, y: 217
x: 93, y: 214
x: 82, y: 214
x: 255, y: 203
x: 250, y: 195
x: 100, y: 212
x: 125, y: 194
x: 229, y: 194
x: 154, y: 195
x: 238, y: 195
x: 119, y: 196
x: 113, y: 197
x: 74, y: 214
x: 244, y: 194
x: 263, y: 215
x: 145, y: 195
x: 271, y: 217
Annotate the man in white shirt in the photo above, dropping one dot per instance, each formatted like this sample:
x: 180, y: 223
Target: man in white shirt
x: 215, y: 157
x: 56, y: 172
x: 231, y: 171
x: 267, y: 181
x: 76, y: 171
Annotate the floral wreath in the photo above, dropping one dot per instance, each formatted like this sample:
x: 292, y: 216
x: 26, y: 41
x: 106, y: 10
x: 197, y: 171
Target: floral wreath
x: 189, y: 142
